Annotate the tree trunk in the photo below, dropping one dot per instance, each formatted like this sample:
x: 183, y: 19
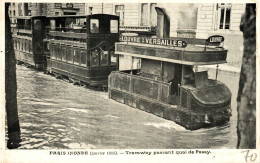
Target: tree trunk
x: 11, y: 87
x: 246, y: 99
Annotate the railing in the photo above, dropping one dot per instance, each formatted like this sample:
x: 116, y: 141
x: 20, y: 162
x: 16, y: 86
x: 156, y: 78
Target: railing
x: 78, y: 29
x: 69, y: 43
x: 25, y: 31
x: 138, y: 28
x: 139, y: 85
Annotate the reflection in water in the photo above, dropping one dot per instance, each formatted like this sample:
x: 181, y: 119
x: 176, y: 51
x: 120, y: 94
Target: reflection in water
x: 57, y: 115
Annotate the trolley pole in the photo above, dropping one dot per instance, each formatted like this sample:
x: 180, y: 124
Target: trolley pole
x: 11, y: 87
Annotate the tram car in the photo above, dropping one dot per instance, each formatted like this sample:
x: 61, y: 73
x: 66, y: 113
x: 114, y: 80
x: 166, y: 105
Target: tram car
x: 81, y: 48
x: 28, y: 38
x: 160, y: 76
x: 167, y: 85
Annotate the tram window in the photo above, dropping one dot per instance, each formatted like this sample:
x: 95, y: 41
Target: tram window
x: 69, y: 53
x: 37, y: 24
x: 27, y: 46
x: 94, y: 26
x: 69, y: 22
x: 18, y: 46
x: 52, y: 51
x: 104, y: 58
x: 76, y: 57
x: 30, y: 46
x: 24, y: 45
x: 21, y: 44
x: 113, y: 26
x: 55, y: 51
x: 94, y: 61
x: 58, y: 52
x: 83, y: 57
x: 64, y: 54
x: 53, y: 25
x: 27, y: 24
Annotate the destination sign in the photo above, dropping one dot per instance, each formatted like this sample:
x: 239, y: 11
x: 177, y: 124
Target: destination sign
x: 215, y: 39
x: 154, y: 41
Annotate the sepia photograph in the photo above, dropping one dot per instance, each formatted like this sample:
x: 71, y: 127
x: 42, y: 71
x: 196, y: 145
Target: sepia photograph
x: 88, y: 79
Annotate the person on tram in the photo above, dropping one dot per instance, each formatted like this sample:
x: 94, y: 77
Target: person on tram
x: 94, y: 28
x: 188, y: 75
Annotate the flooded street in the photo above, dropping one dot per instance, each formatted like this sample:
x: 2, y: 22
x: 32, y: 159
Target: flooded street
x: 55, y: 114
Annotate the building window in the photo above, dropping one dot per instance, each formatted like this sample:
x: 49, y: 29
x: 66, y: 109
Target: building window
x: 224, y: 15
x: 144, y: 14
x: 153, y: 15
x: 57, y: 5
x: 187, y: 19
x: 113, y: 26
x: 94, y: 26
x: 13, y: 4
x: 14, y: 12
x: 120, y: 11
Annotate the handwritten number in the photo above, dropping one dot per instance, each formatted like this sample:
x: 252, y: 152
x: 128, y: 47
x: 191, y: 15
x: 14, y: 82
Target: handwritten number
x: 252, y: 156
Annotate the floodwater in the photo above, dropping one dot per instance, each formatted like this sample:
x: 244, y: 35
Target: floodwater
x: 55, y: 114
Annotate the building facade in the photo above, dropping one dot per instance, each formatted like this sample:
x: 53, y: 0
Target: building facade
x: 58, y: 9
x: 223, y: 19
x: 189, y: 20
x: 46, y: 9
x: 134, y: 17
x: 192, y: 20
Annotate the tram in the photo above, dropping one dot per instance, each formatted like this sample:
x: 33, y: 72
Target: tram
x: 28, y: 38
x: 81, y: 48
x: 160, y: 76
x: 167, y: 85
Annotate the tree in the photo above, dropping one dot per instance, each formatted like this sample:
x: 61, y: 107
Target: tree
x: 246, y: 99
x: 11, y: 87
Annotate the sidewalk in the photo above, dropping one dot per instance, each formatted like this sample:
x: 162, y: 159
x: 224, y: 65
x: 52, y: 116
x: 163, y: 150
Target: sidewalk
x: 222, y: 67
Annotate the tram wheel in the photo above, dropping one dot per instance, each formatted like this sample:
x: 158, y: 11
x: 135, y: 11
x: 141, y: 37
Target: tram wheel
x: 57, y: 76
x: 76, y: 82
x: 82, y: 84
x: 70, y: 80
